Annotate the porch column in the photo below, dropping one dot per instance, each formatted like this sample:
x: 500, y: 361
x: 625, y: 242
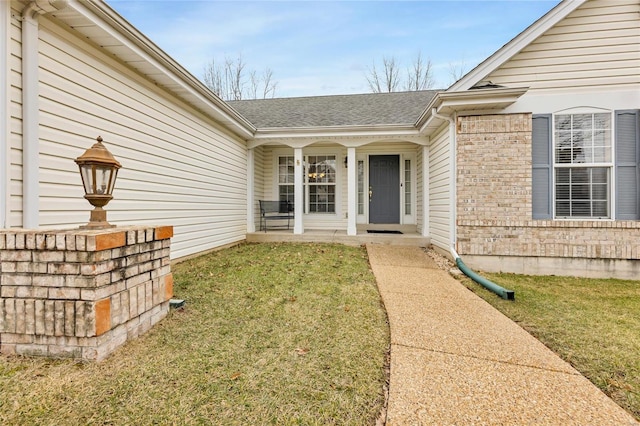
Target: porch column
x: 30, y: 119
x: 5, y: 86
x: 352, y: 191
x: 251, y: 198
x: 425, y: 191
x: 298, y: 225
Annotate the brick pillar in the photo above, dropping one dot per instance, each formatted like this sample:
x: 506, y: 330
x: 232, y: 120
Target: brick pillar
x: 79, y: 293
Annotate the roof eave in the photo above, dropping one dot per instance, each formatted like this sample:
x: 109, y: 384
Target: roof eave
x: 514, y: 46
x: 447, y: 103
x: 320, y: 131
x: 170, y: 72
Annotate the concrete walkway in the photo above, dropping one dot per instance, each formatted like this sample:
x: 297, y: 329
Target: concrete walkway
x: 455, y: 360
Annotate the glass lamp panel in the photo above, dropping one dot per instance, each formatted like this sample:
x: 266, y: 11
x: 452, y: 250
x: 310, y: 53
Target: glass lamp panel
x: 86, y: 171
x: 103, y: 180
x: 112, y: 181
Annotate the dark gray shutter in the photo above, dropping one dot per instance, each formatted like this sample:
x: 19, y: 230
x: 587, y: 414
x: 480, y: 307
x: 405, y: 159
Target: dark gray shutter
x: 627, y: 131
x: 542, y: 167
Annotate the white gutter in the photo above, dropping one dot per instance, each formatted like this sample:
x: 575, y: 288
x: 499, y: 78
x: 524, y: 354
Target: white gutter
x: 31, y: 109
x: 5, y: 24
x: 452, y: 171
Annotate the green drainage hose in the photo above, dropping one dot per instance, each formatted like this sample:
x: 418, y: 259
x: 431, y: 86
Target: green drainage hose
x: 489, y: 285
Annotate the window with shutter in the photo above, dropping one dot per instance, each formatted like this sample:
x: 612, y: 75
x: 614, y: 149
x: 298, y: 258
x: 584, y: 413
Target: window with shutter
x: 574, y: 165
x: 627, y: 139
x: 542, y: 167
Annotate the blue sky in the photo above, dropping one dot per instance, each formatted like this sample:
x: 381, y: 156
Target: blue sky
x: 326, y: 47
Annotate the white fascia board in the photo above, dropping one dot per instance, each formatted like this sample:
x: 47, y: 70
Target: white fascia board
x: 518, y: 43
x: 335, y: 131
x: 478, y: 99
x: 103, y: 16
x: 354, y: 136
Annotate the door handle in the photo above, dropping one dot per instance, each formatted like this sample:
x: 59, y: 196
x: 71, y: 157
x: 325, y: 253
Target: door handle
x: 370, y: 193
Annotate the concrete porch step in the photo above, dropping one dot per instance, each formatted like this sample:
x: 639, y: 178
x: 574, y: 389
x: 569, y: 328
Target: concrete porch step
x: 341, y: 237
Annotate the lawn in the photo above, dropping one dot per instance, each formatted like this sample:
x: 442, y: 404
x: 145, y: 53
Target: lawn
x: 271, y: 334
x: 594, y: 324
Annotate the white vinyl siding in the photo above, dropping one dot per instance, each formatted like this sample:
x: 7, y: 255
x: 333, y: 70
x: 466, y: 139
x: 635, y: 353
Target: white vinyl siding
x: 594, y: 46
x: 439, y: 188
x: 179, y: 167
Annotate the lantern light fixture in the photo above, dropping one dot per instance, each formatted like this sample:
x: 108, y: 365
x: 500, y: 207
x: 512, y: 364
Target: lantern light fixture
x: 98, y: 169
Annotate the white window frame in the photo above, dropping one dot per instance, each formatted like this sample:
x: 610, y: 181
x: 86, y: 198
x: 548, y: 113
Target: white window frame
x: 610, y: 165
x: 335, y: 184
x: 277, y: 154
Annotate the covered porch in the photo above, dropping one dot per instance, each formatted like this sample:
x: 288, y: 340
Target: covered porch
x: 365, y: 188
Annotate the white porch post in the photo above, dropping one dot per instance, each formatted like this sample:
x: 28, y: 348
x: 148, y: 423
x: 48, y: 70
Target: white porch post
x: 251, y: 168
x: 298, y: 225
x: 352, y: 191
x: 30, y: 121
x: 425, y: 191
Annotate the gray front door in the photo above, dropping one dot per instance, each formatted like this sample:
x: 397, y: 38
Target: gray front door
x: 384, y: 189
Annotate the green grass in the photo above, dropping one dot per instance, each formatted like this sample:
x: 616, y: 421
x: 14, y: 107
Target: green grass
x: 271, y: 334
x: 594, y: 324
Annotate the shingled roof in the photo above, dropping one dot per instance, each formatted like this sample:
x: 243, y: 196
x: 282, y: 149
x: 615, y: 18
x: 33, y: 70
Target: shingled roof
x: 397, y: 108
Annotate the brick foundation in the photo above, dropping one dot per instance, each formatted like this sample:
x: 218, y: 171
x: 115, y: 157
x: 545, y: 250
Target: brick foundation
x: 494, y: 212
x: 81, y: 294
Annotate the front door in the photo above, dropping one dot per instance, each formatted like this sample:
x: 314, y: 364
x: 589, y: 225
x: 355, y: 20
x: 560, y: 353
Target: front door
x: 384, y: 189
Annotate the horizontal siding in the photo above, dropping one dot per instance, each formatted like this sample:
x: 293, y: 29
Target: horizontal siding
x: 179, y: 167
x: 439, y: 187
x: 597, y: 45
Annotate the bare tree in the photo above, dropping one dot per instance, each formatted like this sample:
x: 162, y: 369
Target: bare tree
x: 387, y: 80
x: 457, y: 70
x: 229, y: 80
x: 419, y: 75
x: 235, y: 77
x: 213, y: 78
x: 269, y: 86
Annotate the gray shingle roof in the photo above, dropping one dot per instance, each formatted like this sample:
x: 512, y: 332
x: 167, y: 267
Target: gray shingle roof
x: 397, y: 108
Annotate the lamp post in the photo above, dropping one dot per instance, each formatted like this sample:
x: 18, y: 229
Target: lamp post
x: 98, y: 169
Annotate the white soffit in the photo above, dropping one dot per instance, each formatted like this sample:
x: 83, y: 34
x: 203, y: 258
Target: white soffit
x: 478, y: 100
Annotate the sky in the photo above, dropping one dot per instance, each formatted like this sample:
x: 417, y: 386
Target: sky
x: 319, y: 48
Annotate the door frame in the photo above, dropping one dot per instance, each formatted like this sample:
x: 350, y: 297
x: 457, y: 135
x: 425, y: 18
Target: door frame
x: 405, y: 219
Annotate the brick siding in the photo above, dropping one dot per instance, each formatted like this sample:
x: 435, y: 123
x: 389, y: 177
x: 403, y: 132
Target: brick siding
x: 494, y: 212
x: 81, y: 294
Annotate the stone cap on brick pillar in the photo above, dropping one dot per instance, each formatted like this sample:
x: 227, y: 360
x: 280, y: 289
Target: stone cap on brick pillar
x: 81, y: 239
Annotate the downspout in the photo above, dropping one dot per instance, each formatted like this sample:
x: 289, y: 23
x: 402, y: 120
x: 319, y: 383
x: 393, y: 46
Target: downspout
x: 489, y: 285
x: 30, y: 108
